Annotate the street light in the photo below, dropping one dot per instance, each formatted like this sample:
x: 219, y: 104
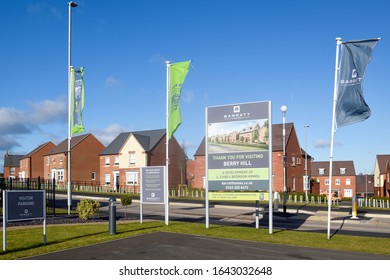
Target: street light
x: 284, y: 110
x: 70, y: 5
x: 306, y: 177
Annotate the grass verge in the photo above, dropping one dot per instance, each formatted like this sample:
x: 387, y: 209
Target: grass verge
x: 28, y: 241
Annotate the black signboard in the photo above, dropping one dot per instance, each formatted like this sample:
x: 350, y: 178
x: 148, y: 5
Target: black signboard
x: 25, y: 205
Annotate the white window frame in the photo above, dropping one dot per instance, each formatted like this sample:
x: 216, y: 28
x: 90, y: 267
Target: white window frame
x: 321, y: 171
x: 338, y: 182
x: 327, y: 182
x: 131, y: 159
x: 107, y: 178
x: 60, y: 175
x: 107, y: 161
x: 116, y: 160
x: 132, y: 178
x: 348, y: 181
x: 342, y: 170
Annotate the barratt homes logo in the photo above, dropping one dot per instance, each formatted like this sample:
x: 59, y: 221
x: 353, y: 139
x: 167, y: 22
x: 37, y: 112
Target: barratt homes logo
x: 353, y: 80
x: 237, y: 114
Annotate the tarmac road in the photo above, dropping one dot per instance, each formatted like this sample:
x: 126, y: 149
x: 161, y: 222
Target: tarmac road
x: 174, y: 246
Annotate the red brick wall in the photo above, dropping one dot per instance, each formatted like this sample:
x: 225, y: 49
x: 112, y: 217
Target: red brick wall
x: 200, y: 171
x: 107, y: 169
x: 323, y: 187
x: 37, y: 161
x: 7, y: 172
x: 277, y: 171
x: 85, y: 159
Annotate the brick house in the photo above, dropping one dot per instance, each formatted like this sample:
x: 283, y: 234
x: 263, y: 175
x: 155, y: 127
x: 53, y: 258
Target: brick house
x: 85, y: 151
x: 365, y: 185
x: 295, y: 159
x: 121, y: 160
x: 196, y: 168
x: 343, y: 177
x: 31, y: 165
x: 12, y: 165
x: 380, y: 171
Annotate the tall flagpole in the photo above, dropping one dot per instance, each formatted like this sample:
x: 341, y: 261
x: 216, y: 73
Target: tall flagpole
x: 167, y: 151
x: 70, y: 6
x: 338, y: 43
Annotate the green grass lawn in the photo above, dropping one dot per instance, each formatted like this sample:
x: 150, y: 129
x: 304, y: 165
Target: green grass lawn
x: 28, y: 241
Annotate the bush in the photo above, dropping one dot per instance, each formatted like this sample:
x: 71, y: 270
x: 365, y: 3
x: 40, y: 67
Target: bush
x: 126, y: 200
x: 86, y: 208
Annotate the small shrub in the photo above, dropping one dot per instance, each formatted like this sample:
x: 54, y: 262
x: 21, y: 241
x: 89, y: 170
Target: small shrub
x: 86, y: 208
x: 126, y: 200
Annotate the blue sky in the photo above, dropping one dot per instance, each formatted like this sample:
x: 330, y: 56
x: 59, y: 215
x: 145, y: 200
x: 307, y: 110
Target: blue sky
x: 242, y: 51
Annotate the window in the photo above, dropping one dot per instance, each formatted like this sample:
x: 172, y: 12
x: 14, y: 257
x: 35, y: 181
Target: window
x: 116, y: 160
x: 132, y: 178
x: 12, y: 170
x: 131, y: 158
x: 107, y: 179
x: 60, y: 175
x: 54, y: 159
x: 107, y: 161
x: 93, y: 176
x: 327, y: 182
x: 348, y: 182
x: 338, y: 182
x: 61, y: 159
x: 293, y: 160
x: 48, y: 160
x: 321, y: 171
x: 342, y: 171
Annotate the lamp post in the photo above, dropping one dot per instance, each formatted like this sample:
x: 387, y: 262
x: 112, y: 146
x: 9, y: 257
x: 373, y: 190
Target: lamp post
x: 306, y: 177
x: 284, y: 110
x: 70, y: 6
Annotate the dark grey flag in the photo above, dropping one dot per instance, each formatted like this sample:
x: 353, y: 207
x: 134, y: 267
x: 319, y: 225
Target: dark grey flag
x: 350, y: 105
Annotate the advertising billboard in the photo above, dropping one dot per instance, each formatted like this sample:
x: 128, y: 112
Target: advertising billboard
x: 238, y: 150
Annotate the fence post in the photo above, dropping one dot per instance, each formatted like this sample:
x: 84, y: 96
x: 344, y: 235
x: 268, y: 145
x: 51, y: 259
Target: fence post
x: 54, y: 195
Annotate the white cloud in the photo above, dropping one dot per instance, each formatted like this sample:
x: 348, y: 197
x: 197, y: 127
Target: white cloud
x: 108, y: 134
x: 322, y: 143
x: 49, y: 111
x: 112, y: 82
x: 14, y: 122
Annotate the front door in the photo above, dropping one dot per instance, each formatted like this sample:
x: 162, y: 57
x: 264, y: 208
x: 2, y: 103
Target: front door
x: 116, y: 180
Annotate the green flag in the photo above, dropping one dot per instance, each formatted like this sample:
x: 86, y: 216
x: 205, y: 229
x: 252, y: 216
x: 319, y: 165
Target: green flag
x: 77, y: 100
x: 177, y: 74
